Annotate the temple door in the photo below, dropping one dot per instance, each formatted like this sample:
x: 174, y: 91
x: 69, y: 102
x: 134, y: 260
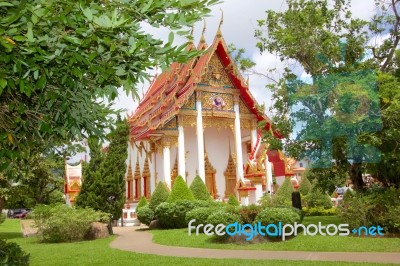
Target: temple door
x: 210, y: 178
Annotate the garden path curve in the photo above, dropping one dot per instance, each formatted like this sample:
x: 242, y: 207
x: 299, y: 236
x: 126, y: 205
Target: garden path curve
x: 139, y: 240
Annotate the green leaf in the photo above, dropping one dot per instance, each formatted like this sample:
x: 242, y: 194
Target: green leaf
x: 36, y: 74
x: 72, y: 39
x: 29, y: 33
x: 5, y: 4
x: 3, y: 84
x: 171, y: 37
x: 147, y: 6
x: 88, y: 13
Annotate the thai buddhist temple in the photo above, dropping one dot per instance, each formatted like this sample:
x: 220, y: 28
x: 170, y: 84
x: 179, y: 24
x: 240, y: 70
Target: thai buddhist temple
x: 72, y: 182
x: 200, y: 118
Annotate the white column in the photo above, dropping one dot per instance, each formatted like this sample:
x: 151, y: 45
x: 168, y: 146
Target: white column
x: 153, y: 170
x: 181, y: 152
x: 200, y: 141
x: 167, y: 163
x: 258, y: 192
x: 268, y: 169
x: 238, y: 144
x: 253, y: 138
x: 244, y: 201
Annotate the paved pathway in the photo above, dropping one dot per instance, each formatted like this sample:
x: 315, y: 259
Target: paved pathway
x: 139, y: 240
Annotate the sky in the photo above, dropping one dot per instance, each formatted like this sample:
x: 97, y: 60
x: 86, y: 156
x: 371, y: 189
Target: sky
x: 239, y: 25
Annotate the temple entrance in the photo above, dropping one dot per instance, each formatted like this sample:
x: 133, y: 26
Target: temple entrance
x: 210, y: 178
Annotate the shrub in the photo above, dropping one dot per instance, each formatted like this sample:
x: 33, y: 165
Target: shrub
x: 2, y: 218
x: 286, y: 189
x: 180, y: 191
x: 232, y: 201
x: 225, y: 218
x: 199, y: 189
x: 61, y: 223
x: 159, y: 196
x: 199, y: 214
x: 305, y: 185
x: 145, y: 215
x: 376, y: 207
x: 275, y: 215
x: 12, y: 254
x: 316, y: 198
x: 249, y: 213
x: 142, y: 203
x: 319, y: 211
x: 275, y: 201
x: 173, y: 215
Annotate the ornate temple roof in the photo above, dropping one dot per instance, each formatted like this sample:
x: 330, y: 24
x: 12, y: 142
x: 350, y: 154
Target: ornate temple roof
x: 170, y: 90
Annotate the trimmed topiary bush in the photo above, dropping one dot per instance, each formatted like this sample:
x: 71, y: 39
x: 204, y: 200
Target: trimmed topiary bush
x: 180, y: 191
x: 145, y: 215
x: 173, y: 215
x: 316, y: 198
x: 276, y: 215
x: 199, y: 189
x: 12, y: 254
x: 305, y: 185
x: 199, y: 214
x: 286, y: 189
x: 142, y: 203
x: 225, y: 218
x: 232, y: 201
x: 159, y: 195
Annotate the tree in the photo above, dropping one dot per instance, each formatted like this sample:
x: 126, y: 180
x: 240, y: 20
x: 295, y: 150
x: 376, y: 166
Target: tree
x: 199, y: 189
x: 58, y: 59
x: 305, y: 185
x: 89, y: 171
x: 329, y: 44
x: 180, y: 191
x: 106, y: 192
x: 160, y: 195
x: 232, y: 201
x: 142, y: 203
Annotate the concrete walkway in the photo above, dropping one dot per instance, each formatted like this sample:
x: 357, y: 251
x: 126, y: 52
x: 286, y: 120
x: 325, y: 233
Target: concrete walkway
x: 137, y: 239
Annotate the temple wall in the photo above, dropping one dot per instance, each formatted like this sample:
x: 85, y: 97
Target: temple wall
x: 191, y: 153
x: 217, y: 147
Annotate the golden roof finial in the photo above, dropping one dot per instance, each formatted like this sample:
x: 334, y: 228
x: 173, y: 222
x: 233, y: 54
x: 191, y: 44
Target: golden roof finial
x: 203, y: 39
x: 191, y: 35
x: 219, y: 33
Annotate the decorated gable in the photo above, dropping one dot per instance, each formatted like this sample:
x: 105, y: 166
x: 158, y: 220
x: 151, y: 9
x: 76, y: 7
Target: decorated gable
x: 216, y: 75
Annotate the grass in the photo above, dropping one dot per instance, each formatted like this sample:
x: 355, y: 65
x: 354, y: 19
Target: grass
x: 98, y: 252
x: 179, y: 237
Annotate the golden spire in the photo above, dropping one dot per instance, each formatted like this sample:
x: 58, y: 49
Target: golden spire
x: 203, y: 39
x: 219, y: 33
x: 191, y: 35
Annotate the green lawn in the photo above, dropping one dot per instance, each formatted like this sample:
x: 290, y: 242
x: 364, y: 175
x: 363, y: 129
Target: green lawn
x: 99, y: 253
x: 179, y: 237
